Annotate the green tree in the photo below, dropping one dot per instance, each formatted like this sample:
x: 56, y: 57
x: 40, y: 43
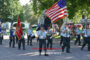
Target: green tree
x: 73, y: 6
x: 30, y: 17
x: 10, y: 9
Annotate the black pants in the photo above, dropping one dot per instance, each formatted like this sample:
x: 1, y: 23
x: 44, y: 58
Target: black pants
x: 29, y: 42
x: 22, y: 41
x: 61, y: 40
x: 37, y: 39
x: 78, y: 40
x: 42, y: 43
x: 88, y: 43
x: 16, y: 39
x: 12, y: 42
x: 1, y: 40
x: 66, y: 44
x: 85, y: 42
x: 49, y: 43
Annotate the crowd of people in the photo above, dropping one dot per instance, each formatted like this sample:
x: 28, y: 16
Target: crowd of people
x: 66, y: 35
x: 47, y: 35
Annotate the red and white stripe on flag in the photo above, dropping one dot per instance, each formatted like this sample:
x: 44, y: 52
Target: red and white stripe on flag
x: 56, y: 13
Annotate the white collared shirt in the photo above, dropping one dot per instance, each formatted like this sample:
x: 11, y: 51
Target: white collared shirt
x: 85, y: 32
x: 30, y: 32
x: 62, y: 33
x: 88, y: 32
x: 42, y: 35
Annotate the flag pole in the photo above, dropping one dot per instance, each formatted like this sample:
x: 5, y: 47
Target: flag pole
x: 63, y: 25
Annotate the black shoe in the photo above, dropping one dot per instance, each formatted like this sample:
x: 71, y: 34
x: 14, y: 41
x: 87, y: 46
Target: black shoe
x: 24, y: 49
x: 79, y: 44
x: 30, y: 44
x: 46, y: 55
x: 68, y: 52
x: 81, y: 49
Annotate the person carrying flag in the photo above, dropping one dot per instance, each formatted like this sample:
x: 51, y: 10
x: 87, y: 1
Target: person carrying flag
x: 66, y: 40
x: 19, y: 34
x: 21, y: 41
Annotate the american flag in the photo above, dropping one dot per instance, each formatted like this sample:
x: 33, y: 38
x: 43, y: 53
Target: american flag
x: 57, y: 11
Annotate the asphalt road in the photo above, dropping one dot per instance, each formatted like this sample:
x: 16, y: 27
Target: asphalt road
x: 7, y: 53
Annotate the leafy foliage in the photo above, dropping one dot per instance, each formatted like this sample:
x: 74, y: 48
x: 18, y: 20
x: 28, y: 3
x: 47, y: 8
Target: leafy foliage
x: 29, y: 16
x: 10, y: 9
x: 73, y: 6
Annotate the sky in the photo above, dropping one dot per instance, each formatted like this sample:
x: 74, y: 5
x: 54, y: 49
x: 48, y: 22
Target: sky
x: 23, y: 2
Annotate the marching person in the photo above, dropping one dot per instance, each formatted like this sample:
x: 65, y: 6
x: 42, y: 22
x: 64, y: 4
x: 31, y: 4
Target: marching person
x: 12, y: 38
x: 42, y: 40
x: 88, y: 34
x: 1, y: 36
x: 49, y: 38
x: 77, y: 36
x: 66, y: 40
x: 85, y: 37
x: 21, y: 41
x: 29, y: 33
